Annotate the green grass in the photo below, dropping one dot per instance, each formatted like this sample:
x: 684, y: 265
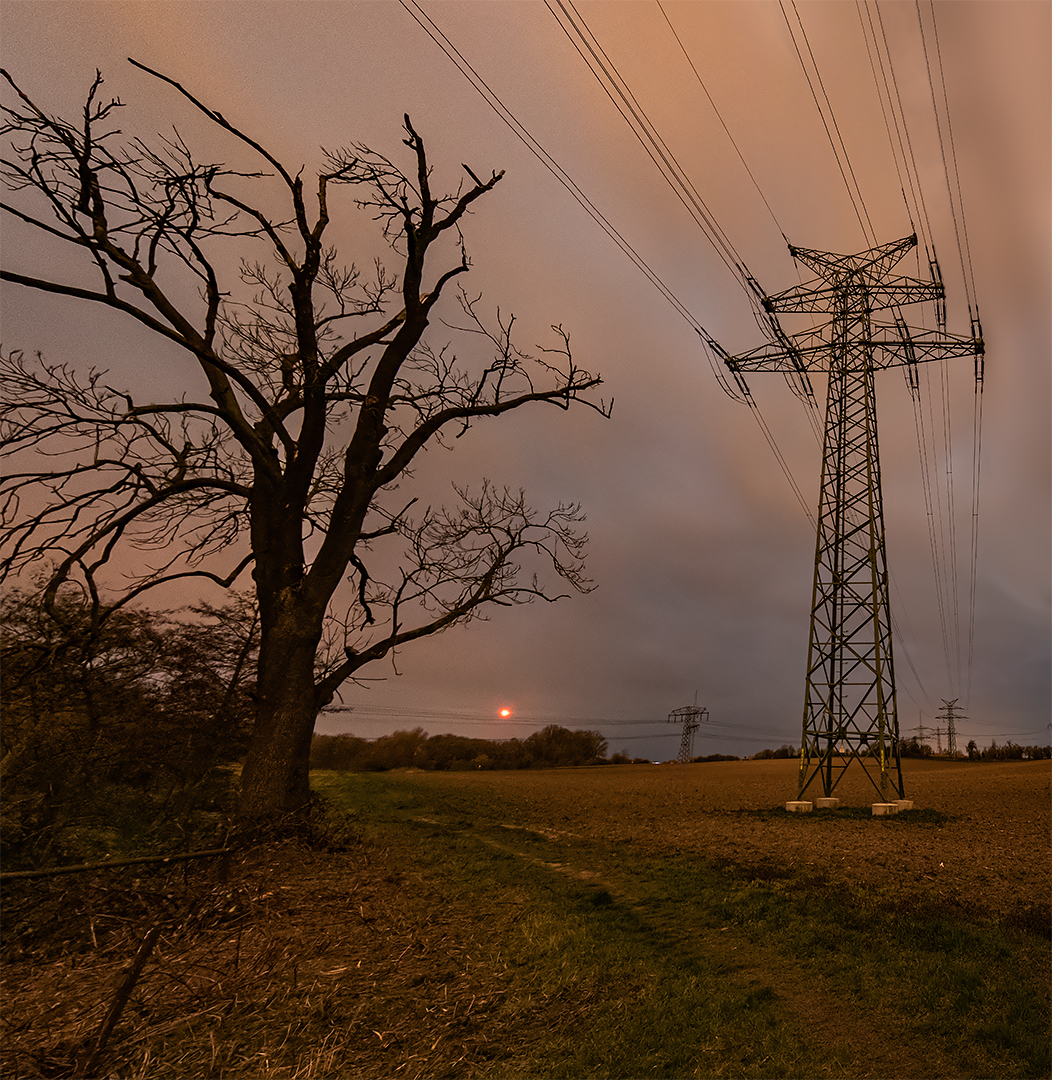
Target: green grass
x: 667, y: 965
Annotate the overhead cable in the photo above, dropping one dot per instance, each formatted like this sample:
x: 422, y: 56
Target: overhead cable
x: 719, y: 116
x: 576, y: 28
x: 842, y: 159
x: 977, y: 443
x: 542, y: 155
x: 620, y: 93
x: 942, y: 537
x: 960, y: 226
x: 956, y: 204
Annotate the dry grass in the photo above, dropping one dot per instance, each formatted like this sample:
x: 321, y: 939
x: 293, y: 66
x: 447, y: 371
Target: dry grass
x: 300, y: 965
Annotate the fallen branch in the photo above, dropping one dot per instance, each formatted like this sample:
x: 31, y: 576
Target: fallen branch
x: 106, y: 864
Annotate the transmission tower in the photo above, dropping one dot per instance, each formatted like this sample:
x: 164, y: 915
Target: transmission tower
x: 692, y: 717
x: 951, y: 716
x: 850, y: 710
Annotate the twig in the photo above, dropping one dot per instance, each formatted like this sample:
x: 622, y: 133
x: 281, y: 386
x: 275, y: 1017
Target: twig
x: 120, y: 999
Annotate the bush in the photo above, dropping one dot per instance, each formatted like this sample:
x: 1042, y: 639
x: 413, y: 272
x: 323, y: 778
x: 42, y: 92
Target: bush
x: 118, y: 736
x: 344, y: 753
x: 786, y: 750
x: 914, y: 748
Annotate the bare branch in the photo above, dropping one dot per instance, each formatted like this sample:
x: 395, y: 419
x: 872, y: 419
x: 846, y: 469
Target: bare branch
x: 316, y: 390
x: 464, y: 559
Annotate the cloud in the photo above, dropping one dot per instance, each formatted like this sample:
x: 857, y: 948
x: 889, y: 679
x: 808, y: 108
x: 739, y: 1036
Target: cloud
x: 701, y: 556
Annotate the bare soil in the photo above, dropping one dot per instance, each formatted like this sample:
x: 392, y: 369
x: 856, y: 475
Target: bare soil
x: 299, y: 963
x: 989, y: 849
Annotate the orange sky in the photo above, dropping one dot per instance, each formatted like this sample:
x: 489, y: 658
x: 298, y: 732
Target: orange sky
x: 701, y: 555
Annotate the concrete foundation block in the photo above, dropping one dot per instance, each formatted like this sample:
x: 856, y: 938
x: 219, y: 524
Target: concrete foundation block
x: 826, y: 804
x: 904, y: 804
x: 885, y: 809
x: 799, y: 807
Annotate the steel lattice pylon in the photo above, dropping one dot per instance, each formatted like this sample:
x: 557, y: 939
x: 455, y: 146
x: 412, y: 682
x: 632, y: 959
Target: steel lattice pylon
x: 850, y: 707
x: 692, y: 717
x: 951, y: 716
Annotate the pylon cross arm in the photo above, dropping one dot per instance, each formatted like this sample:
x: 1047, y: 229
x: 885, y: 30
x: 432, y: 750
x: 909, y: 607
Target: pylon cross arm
x: 884, y: 257
x: 878, y: 295
x: 885, y: 348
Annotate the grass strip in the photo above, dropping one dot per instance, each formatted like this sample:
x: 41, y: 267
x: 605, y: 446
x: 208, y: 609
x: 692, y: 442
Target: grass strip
x: 623, y: 962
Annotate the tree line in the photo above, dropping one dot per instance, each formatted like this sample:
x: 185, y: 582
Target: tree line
x: 551, y: 747
x: 1009, y: 751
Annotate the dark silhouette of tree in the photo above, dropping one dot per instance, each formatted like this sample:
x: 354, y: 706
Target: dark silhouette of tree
x: 555, y: 745
x: 317, y: 390
x: 914, y: 748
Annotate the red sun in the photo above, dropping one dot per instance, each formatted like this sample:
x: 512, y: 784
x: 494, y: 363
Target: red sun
x: 505, y: 713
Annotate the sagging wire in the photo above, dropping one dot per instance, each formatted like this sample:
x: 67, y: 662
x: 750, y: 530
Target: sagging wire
x: 605, y: 71
x: 842, y: 159
x: 527, y: 139
x: 967, y: 270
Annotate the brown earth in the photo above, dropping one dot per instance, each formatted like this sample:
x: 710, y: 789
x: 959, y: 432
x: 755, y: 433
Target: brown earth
x: 299, y: 963
x: 990, y: 850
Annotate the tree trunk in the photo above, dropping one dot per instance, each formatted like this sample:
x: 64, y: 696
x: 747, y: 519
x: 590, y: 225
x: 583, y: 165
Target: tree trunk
x: 275, y: 779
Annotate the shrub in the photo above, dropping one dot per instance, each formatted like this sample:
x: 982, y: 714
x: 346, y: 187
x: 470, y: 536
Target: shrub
x: 118, y: 734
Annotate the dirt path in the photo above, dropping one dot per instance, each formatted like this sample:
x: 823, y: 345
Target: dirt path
x: 855, y: 1040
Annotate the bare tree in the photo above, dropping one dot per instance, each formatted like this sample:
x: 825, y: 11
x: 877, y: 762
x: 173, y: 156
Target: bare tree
x: 317, y: 392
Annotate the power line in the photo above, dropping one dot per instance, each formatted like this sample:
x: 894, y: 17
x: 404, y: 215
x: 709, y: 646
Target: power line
x: 719, y: 116
x: 378, y: 714
x: 883, y: 109
x: 967, y: 271
x: 542, y: 155
x: 977, y: 435
x: 709, y: 345
x: 902, y: 134
x: 947, y: 596
x: 933, y: 514
x: 942, y: 539
x: 806, y: 398
x: 620, y: 94
x: 844, y: 164
x: 951, y: 522
x: 960, y: 228
x: 617, y: 89
x: 778, y: 456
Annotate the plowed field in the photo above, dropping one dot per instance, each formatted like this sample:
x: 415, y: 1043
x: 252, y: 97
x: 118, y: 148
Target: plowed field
x: 979, y: 836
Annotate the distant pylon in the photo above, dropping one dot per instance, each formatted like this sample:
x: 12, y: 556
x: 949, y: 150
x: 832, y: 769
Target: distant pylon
x: 951, y: 716
x: 692, y: 717
x: 850, y: 710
